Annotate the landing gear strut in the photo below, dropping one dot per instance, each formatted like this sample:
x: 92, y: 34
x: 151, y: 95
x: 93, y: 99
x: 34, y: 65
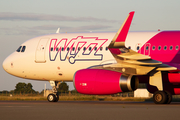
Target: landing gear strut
x: 53, y: 97
x: 162, y: 97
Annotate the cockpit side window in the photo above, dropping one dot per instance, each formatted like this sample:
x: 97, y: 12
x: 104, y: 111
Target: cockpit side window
x: 19, y: 49
x: 23, y: 49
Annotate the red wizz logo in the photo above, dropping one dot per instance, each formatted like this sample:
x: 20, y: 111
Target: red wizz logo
x: 76, y: 49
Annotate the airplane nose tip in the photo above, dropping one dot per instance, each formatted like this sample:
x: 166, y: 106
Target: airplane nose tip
x: 5, y: 64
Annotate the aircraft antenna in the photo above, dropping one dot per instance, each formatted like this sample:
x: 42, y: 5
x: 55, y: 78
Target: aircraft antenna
x: 58, y: 30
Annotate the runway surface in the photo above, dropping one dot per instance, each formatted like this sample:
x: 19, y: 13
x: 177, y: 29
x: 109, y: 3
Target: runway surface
x: 87, y: 110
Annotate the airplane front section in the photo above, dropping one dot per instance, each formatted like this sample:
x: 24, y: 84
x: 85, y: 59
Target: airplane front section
x: 8, y: 64
x: 30, y: 61
x: 23, y: 65
x: 21, y: 62
x: 12, y: 65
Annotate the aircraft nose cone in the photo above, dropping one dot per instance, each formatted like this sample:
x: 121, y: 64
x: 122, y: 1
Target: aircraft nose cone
x: 5, y: 64
x: 8, y: 64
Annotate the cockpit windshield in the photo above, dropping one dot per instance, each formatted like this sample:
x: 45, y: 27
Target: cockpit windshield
x: 21, y: 49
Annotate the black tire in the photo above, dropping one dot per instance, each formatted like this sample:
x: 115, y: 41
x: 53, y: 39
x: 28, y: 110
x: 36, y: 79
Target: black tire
x: 57, y: 98
x: 51, y: 98
x: 160, y: 97
x: 169, y: 97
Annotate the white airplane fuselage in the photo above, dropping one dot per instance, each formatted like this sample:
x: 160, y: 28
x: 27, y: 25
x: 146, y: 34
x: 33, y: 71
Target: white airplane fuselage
x: 56, y: 57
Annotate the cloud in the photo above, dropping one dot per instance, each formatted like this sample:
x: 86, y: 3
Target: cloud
x: 47, y: 29
x: 19, y: 31
x: 73, y: 29
x: 46, y: 17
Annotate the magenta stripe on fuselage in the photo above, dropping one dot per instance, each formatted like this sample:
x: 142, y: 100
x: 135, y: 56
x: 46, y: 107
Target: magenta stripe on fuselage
x: 163, y: 47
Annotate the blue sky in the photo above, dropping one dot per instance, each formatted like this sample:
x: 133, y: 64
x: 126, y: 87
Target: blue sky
x: 21, y: 20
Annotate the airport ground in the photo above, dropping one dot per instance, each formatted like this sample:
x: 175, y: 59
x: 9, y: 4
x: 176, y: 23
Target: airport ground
x: 87, y: 110
x: 78, y: 97
x: 85, y: 107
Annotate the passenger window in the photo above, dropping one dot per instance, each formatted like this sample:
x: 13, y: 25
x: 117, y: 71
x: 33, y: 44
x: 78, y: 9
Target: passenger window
x: 62, y: 49
x: 89, y: 48
x: 52, y: 49
x: 171, y: 47
x: 159, y: 48
x: 137, y: 47
x: 79, y: 48
x: 73, y: 48
x: 106, y: 48
x: 165, y: 47
x: 95, y: 48
x: 84, y: 48
x: 57, y: 49
x: 153, y: 48
x: 19, y: 49
x: 101, y: 48
x: 177, y: 47
x: 68, y: 49
x: 23, y: 49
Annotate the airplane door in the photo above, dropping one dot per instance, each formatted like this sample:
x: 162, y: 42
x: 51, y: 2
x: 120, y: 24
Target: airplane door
x: 147, y: 49
x: 40, y: 51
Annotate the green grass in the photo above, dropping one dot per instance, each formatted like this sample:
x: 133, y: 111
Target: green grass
x: 68, y: 98
x: 23, y: 98
x: 30, y: 97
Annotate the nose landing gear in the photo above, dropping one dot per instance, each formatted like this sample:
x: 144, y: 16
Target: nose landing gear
x: 53, y: 97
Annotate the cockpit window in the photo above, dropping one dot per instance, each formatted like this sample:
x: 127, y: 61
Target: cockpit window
x: 23, y: 49
x: 19, y: 49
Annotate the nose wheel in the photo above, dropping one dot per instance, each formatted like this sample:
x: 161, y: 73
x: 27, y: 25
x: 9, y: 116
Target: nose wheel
x: 53, y: 97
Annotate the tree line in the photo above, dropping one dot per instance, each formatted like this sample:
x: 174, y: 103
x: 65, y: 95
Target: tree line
x: 28, y: 88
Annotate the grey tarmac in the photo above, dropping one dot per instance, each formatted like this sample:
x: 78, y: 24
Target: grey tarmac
x: 88, y: 110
